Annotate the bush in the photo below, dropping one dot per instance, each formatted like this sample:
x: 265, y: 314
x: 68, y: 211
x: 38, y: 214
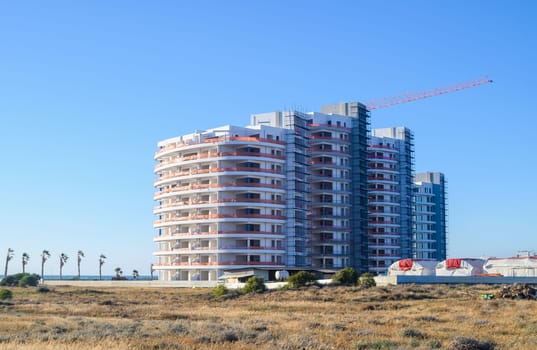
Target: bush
x: 43, y: 289
x: 5, y: 294
x: 412, y: 333
x: 21, y: 280
x: 347, y: 276
x: 461, y: 343
x: 29, y: 280
x: 302, y: 278
x: 366, y: 280
x: 254, y: 284
x: 219, y: 291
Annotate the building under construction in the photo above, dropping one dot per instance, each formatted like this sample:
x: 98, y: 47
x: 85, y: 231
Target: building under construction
x: 292, y: 190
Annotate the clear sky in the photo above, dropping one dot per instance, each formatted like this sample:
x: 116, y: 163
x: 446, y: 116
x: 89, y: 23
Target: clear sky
x: 87, y: 89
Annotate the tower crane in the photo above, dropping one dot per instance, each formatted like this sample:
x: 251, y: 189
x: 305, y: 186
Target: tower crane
x: 409, y: 97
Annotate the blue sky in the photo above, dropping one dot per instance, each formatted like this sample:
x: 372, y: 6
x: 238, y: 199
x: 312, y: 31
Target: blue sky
x: 87, y: 89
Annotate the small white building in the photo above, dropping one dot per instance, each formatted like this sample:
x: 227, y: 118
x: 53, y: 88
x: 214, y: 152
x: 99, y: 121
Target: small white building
x: 413, y: 267
x: 460, y: 267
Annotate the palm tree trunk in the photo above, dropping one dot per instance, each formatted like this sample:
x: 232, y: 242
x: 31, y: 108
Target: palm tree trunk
x: 7, y: 262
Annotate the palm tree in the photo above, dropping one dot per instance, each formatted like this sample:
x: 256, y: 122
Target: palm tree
x: 119, y: 272
x: 63, y: 260
x: 79, y: 255
x: 135, y: 274
x: 25, y: 258
x: 102, y: 258
x: 44, y: 256
x: 9, y: 256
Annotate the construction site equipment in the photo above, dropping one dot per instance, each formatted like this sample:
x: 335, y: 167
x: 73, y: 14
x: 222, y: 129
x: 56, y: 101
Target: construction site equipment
x: 518, y: 291
x: 414, y: 96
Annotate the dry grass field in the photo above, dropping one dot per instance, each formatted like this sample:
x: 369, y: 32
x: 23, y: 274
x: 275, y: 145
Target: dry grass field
x: 399, y: 317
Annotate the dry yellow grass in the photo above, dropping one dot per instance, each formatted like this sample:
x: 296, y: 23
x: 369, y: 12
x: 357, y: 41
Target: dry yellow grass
x: 402, y: 317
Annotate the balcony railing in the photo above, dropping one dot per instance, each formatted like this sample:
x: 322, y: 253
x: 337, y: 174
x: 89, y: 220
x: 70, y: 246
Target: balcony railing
x: 371, y: 156
x: 383, y: 147
x: 217, y: 185
x: 217, y: 170
x: 221, y: 216
x: 328, y: 138
x: 330, y: 126
x: 247, y: 139
x: 227, y: 200
x: 177, y: 235
x: 380, y: 167
x: 218, y: 154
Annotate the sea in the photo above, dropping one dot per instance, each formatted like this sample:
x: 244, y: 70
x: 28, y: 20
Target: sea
x: 92, y: 277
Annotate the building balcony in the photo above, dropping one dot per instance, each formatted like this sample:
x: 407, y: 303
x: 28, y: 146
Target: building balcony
x: 327, y: 228
x: 220, y: 155
x: 330, y: 241
x: 216, y: 186
x: 383, y: 257
x: 162, y: 222
x: 317, y: 255
x: 383, y: 224
x: 318, y: 216
x: 382, y: 191
x: 216, y: 172
x: 315, y: 151
x: 219, y: 202
x: 383, y: 148
x: 384, y: 234
x: 215, y: 140
x: 319, y: 126
x: 383, y: 158
x: 383, y: 246
x: 214, y: 234
x: 381, y: 169
x: 381, y: 179
x: 385, y: 202
x: 319, y: 139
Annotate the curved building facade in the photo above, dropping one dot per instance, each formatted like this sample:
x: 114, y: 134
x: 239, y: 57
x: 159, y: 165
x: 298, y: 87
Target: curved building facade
x: 220, y: 196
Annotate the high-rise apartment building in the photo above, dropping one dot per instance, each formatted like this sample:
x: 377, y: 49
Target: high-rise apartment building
x: 390, y: 168
x: 292, y: 190
x: 221, y: 197
x: 430, y: 216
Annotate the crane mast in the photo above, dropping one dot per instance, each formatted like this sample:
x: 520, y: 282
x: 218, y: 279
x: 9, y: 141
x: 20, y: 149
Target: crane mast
x: 414, y: 96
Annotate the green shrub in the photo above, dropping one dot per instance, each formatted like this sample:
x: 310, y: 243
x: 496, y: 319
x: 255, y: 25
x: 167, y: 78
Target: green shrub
x: 43, y: 289
x: 347, y: 276
x: 377, y: 345
x: 5, y: 294
x: 21, y: 280
x: 366, y: 280
x: 29, y: 280
x: 301, y: 278
x: 254, y: 284
x: 412, y: 333
x: 219, y: 291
